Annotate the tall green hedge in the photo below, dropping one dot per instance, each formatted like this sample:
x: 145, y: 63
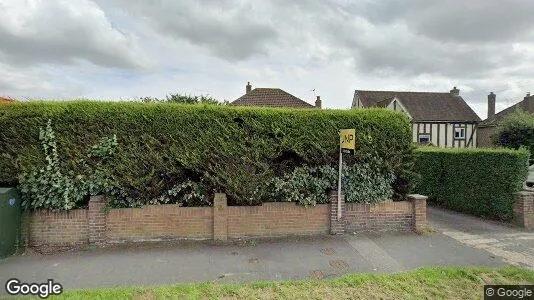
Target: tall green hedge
x: 230, y: 149
x: 476, y: 181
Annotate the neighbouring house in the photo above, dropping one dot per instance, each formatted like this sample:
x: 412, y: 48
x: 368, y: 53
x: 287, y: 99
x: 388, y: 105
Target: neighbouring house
x: 440, y: 119
x: 272, y: 97
x: 486, y: 128
x: 4, y: 100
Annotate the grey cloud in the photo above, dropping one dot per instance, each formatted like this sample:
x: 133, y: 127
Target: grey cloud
x: 386, y: 37
x: 228, y: 29
x: 7, y: 86
x: 414, y: 56
x: 480, y: 45
x: 473, y: 21
x: 63, y: 32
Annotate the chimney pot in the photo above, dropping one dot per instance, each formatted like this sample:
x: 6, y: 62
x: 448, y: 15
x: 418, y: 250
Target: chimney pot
x: 248, y: 88
x: 455, y: 92
x: 318, y: 102
x: 528, y: 94
x: 491, y: 105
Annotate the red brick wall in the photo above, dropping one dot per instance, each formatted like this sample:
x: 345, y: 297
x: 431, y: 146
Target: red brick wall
x: 384, y: 216
x: 159, y: 222
x: 277, y: 219
x: 220, y: 222
x: 57, y: 228
x: 524, y: 209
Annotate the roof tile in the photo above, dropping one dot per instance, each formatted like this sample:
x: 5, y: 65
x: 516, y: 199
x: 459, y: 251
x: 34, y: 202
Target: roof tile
x: 423, y: 106
x: 270, y: 97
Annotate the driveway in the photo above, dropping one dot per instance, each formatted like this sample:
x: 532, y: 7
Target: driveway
x: 511, y: 244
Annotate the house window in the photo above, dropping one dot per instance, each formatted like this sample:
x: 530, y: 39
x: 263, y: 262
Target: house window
x: 424, y: 138
x: 459, y: 133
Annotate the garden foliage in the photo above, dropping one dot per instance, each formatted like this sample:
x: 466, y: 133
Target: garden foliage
x: 173, y: 153
x: 515, y: 131
x: 55, y: 188
x: 361, y: 182
x: 477, y: 181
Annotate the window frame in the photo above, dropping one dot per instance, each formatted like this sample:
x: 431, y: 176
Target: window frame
x: 462, y: 130
x: 427, y: 135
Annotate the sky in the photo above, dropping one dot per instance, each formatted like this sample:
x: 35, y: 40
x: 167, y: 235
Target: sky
x: 124, y: 49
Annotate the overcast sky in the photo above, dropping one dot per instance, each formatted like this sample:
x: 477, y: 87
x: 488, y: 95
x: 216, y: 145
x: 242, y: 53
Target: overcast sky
x: 119, y: 49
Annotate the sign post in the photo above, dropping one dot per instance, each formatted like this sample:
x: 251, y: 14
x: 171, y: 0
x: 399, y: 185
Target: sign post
x: 347, y: 143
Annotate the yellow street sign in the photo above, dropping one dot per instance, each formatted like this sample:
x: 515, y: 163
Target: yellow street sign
x: 347, y: 139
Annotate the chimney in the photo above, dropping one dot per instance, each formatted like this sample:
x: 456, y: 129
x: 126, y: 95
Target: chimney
x: 528, y: 95
x: 491, y: 105
x: 249, y: 88
x: 455, y: 92
x: 318, y: 102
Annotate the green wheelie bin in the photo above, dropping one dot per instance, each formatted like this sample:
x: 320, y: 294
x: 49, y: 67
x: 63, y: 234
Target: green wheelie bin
x: 10, y: 215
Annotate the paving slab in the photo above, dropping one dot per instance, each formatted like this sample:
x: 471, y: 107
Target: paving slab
x: 512, y: 244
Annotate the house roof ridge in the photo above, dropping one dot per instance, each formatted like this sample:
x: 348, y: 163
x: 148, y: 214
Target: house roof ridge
x: 271, y: 97
x: 504, y: 112
x: 389, y: 91
x: 423, y: 105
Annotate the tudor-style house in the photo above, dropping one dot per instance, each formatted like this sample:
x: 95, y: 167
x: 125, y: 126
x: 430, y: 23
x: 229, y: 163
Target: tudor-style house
x: 439, y: 119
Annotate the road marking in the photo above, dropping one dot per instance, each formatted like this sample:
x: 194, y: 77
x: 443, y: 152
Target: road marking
x: 376, y: 256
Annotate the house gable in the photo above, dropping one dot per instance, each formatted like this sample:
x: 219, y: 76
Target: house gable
x: 397, y: 105
x: 422, y: 106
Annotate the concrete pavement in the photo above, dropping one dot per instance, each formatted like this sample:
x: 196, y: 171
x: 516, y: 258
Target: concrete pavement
x: 280, y: 259
x: 512, y: 244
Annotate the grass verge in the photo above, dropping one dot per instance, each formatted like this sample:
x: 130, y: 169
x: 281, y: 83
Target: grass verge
x: 425, y: 283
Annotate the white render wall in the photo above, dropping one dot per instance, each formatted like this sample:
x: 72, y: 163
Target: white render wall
x: 442, y: 134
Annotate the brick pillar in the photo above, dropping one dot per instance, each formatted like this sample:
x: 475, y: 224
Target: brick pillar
x: 220, y: 217
x: 336, y: 226
x: 419, y: 211
x: 524, y: 209
x: 96, y: 217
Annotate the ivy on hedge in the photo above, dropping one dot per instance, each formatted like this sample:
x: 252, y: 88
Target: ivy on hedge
x: 224, y: 149
x: 51, y: 187
x: 481, y: 181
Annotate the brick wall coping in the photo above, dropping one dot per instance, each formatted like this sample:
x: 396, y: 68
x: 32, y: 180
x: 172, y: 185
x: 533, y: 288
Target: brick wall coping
x: 525, y: 193
x: 417, y: 197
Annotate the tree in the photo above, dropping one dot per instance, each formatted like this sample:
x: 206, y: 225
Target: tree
x: 516, y: 130
x: 185, y: 99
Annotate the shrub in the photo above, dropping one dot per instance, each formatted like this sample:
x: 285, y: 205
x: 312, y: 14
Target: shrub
x: 477, y: 181
x: 365, y: 183
x: 305, y: 185
x: 222, y: 148
x: 361, y: 182
x: 51, y: 187
x: 515, y: 131
x: 185, y: 99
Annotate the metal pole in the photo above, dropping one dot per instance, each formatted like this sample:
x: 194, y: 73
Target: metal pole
x: 339, y: 185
